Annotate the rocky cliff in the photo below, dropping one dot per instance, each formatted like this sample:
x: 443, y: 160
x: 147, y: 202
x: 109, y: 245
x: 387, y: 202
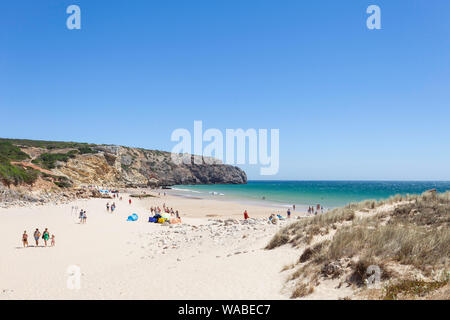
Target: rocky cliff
x: 68, y: 164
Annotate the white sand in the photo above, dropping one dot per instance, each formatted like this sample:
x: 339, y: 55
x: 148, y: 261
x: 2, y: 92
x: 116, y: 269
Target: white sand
x: 141, y: 260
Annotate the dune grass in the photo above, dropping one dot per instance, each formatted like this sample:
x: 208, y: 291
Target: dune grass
x: 415, y: 232
x: 412, y: 288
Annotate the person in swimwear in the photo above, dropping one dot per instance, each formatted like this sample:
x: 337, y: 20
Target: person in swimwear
x: 37, y: 235
x: 246, y: 215
x: 53, y: 240
x: 25, y: 239
x: 45, y: 236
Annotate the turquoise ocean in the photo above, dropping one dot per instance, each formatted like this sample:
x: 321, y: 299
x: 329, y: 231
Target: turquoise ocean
x: 304, y: 193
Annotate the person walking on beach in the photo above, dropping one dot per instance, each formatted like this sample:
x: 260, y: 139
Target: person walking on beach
x: 84, y: 216
x: 246, y: 215
x: 81, y: 216
x: 293, y: 207
x: 289, y: 213
x: 37, y: 235
x: 45, y: 236
x: 25, y: 239
x: 53, y: 240
x: 129, y: 201
x: 107, y: 206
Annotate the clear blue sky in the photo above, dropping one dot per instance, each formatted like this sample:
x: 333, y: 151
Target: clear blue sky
x: 350, y: 103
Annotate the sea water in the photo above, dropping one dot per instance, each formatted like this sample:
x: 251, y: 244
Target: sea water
x: 304, y: 193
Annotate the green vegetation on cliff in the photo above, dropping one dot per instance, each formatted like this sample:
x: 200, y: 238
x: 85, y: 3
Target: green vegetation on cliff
x: 48, y: 160
x: 49, y: 145
x: 12, y: 174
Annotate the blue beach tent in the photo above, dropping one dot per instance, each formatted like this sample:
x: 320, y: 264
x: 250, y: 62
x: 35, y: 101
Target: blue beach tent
x: 133, y: 217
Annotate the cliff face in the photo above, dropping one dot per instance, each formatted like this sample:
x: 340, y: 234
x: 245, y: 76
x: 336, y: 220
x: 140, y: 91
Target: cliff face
x: 123, y: 166
x: 116, y: 166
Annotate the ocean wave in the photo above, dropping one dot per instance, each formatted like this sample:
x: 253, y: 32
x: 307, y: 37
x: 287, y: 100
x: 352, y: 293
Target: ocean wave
x: 185, y: 190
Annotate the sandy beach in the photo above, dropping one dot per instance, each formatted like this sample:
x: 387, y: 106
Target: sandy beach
x: 199, y: 259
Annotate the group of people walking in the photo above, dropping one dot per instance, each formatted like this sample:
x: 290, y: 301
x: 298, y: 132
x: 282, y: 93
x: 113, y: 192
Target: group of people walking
x: 113, y: 207
x: 83, y: 216
x: 312, y: 210
x: 37, y: 235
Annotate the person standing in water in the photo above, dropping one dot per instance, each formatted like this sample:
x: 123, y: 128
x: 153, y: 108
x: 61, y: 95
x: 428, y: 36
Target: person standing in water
x: 45, y: 236
x: 37, y: 235
x: 25, y: 239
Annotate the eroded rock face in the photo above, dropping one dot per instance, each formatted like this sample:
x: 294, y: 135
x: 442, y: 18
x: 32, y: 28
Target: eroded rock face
x: 132, y: 167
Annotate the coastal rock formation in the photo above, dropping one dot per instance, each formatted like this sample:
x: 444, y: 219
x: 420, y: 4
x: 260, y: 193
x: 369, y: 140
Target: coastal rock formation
x: 131, y: 167
x: 69, y: 165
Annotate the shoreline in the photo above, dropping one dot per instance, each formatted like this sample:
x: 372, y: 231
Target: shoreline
x: 276, y: 206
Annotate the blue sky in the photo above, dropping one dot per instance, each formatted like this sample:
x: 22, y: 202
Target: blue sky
x: 350, y: 103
